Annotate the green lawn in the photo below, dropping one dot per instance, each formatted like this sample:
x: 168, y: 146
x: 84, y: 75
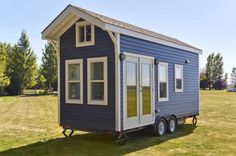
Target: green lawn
x: 28, y: 126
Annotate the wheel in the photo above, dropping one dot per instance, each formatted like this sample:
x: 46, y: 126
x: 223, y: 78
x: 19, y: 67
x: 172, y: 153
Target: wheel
x: 194, y: 121
x: 171, y: 125
x: 160, y: 127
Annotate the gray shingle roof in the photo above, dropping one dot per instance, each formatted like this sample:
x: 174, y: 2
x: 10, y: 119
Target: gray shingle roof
x: 134, y: 28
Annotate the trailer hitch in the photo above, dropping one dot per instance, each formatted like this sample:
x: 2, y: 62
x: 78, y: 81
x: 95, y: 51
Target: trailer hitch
x: 70, y: 134
x: 194, y: 121
x: 122, y: 138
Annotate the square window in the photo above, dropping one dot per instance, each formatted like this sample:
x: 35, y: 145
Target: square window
x: 85, y: 34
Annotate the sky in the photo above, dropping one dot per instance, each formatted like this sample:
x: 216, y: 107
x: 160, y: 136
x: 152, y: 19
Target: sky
x: 207, y: 24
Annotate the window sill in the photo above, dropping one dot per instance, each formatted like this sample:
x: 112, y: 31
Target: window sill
x: 179, y: 90
x: 94, y: 102
x: 74, y: 102
x: 163, y: 100
x: 85, y: 44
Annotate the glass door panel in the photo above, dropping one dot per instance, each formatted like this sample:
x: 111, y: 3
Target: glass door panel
x: 146, y: 88
x: 131, y: 86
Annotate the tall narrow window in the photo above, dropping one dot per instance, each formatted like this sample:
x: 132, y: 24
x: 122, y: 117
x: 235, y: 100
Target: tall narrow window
x: 179, y: 78
x: 74, y: 81
x: 84, y: 34
x: 163, y: 92
x: 97, y: 81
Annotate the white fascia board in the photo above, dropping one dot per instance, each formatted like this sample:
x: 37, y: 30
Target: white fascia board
x: 64, y: 14
x: 148, y: 38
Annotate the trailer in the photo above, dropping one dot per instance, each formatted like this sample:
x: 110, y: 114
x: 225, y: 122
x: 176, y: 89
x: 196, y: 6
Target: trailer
x: 117, y: 77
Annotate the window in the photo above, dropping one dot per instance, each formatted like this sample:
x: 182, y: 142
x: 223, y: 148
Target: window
x: 84, y: 34
x: 179, y: 78
x: 163, y: 94
x: 97, y: 81
x: 74, y: 81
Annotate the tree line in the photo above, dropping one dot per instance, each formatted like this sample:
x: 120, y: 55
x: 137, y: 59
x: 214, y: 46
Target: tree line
x: 212, y: 76
x: 19, y: 69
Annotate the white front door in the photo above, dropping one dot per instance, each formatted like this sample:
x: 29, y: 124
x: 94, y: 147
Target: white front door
x: 138, y: 91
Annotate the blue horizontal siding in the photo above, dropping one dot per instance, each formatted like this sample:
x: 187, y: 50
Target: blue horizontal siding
x: 85, y: 116
x: 180, y: 104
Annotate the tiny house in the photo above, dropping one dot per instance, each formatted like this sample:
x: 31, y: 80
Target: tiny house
x: 116, y: 77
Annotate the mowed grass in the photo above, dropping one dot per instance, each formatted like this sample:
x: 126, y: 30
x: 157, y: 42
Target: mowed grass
x: 28, y: 126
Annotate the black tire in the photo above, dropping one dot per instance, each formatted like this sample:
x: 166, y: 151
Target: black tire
x: 160, y: 127
x: 172, y: 124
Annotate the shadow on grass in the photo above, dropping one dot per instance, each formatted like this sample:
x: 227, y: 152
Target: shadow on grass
x: 97, y: 144
x: 47, y: 94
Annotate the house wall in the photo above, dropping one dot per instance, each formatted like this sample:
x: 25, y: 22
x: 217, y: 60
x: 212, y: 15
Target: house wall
x: 181, y: 104
x: 84, y: 116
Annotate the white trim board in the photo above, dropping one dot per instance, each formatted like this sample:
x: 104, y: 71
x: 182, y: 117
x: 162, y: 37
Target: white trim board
x: 116, y: 41
x: 66, y: 13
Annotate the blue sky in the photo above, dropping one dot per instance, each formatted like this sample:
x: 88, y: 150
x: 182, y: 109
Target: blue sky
x: 209, y: 25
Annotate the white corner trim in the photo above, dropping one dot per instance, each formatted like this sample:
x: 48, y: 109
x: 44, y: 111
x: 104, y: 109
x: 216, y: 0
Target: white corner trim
x: 118, y: 91
x: 182, y: 72
x: 77, y: 34
x: 105, y: 80
x: 167, y: 82
x: 120, y: 30
x: 116, y: 41
x: 67, y: 63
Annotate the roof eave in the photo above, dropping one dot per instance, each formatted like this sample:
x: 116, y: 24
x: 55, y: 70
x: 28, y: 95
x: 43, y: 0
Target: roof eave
x: 150, y: 38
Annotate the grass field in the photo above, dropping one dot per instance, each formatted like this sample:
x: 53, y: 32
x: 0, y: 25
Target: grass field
x: 28, y: 126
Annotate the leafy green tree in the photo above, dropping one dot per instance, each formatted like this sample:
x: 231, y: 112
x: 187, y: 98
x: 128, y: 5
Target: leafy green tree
x: 203, y: 79
x: 22, y: 67
x: 41, y: 81
x: 4, y: 80
x: 49, y: 64
x: 214, y: 70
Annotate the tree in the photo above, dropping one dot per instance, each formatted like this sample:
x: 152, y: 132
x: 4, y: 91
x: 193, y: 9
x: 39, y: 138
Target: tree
x: 49, y: 65
x: 214, y: 69
x: 203, y: 79
x: 22, y: 67
x: 41, y: 81
x: 233, y: 77
x: 221, y: 83
x: 4, y: 80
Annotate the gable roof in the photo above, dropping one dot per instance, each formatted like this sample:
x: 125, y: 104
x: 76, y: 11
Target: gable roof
x: 72, y: 13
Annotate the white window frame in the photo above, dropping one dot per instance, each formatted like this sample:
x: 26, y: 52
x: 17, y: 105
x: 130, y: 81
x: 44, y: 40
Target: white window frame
x: 77, y: 34
x: 182, y: 72
x: 89, y: 62
x: 67, y: 81
x: 167, y: 82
